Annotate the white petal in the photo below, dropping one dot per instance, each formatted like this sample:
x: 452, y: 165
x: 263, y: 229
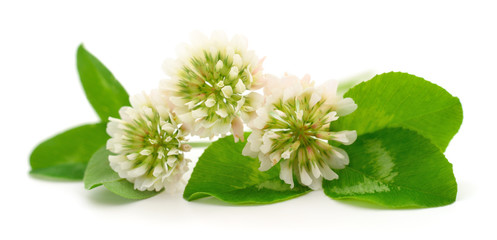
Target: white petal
x: 338, y: 158
x: 328, y: 174
x: 315, y: 171
x: 233, y: 72
x: 239, y: 104
x: 116, y: 159
x: 148, y: 182
x: 221, y: 128
x: 139, y: 100
x: 171, y: 160
x: 227, y: 91
x: 220, y: 84
x: 173, y: 151
x: 157, y: 170
x: 239, y: 42
x: 237, y: 61
x: 240, y: 86
x: 331, y: 116
x: 186, y: 117
x: 265, y: 162
x: 207, y: 124
x: 199, y: 113
x: 286, y: 154
x: 329, y: 89
x: 168, y: 127
x: 113, y: 145
x: 345, y: 106
x: 267, y: 141
x: 255, y: 140
x: 316, y: 184
x: 132, y: 156
x: 210, y: 102
x: 137, y: 171
x: 219, y: 38
x: 304, y: 177
x: 275, y: 157
x: 219, y: 65
x: 190, y: 104
x: 286, y: 173
x: 315, y: 98
x: 112, y: 128
x: 177, y: 101
x: 248, y: 152
x: 145, y: 152
x: 222, y: 113
x: 345, y: 137
x: 260, y: 121
x: 124, y: 113
x: 237, y: 129
x: 120, y: 164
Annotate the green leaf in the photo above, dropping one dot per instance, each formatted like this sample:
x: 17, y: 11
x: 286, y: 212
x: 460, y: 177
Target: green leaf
x: 224, y: 173
x: 125, y: 189
x: 396, y: 168
x: 103, y: 91
x: 67, y: 171
x: 100, y: 173
x: 402, y: 100
x: 65, y: 155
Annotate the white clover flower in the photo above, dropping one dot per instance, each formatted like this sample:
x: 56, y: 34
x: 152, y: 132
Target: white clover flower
x: 293, y: 128
x: 149, y: 142
x: 212, y: 83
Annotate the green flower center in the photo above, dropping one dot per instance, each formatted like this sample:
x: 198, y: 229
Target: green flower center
x: 149, y: 139
x: 214, y: 82
x: 295, y: 120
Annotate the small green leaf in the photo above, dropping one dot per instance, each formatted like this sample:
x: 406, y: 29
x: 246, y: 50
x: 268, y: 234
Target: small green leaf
x: 125, y: 189
x: 224, y: 173
x: 402, y: 100
x: 396, y: 168
x: 65, y: 155
x: 100, y: 173
x: 103, y: 91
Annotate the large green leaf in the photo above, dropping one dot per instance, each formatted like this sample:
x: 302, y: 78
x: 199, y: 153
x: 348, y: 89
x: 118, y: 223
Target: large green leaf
x: 103, y: 91
x: 396, y: 168
x: 222, y: 172
x: 402, y: 100
x: 100, y: 173
x: 65, y: 155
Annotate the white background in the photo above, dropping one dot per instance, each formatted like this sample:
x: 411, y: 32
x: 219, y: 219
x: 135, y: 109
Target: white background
x: 452, y: 44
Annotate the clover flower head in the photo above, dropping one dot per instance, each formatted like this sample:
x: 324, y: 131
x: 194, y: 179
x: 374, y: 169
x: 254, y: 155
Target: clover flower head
x: 148, y: 142
x: 293, y: 128
x: 211, y: 84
